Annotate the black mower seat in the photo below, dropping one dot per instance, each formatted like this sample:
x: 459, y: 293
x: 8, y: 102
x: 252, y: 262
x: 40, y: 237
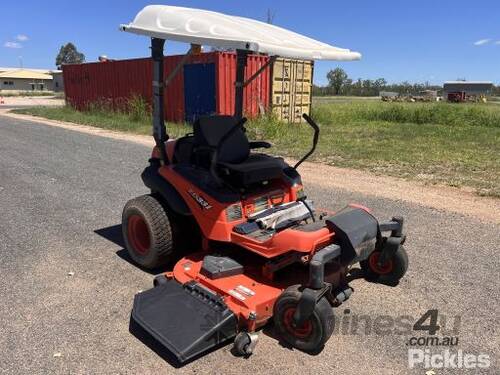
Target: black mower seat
x: 256, y: 168
x: 234, y: 162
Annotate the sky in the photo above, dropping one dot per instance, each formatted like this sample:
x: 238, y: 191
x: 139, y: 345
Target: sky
x: 416, y: 41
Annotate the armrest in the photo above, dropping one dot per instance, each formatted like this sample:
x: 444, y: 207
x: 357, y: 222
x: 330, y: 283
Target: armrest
x: 259, y: 144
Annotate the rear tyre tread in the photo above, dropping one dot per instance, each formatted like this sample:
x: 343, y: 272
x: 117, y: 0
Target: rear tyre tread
x: 159, y: 227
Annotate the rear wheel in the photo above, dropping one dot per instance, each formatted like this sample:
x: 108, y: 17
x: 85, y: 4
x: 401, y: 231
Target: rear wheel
x: 312, y: 335
x: 147, y: 232
x: 389, y: 273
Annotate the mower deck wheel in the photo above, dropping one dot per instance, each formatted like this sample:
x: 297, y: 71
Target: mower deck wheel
x: 314, y: 333
x: 389, y: 273
x: 159, y: 280
x: 243, y: 344
x: 147, y: 231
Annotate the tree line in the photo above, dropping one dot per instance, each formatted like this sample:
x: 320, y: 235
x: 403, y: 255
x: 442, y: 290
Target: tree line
x: 339, y: 83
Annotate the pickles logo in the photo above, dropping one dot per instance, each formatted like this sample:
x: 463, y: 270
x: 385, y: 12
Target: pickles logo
x: 200, y: 200
x: 447, y: 359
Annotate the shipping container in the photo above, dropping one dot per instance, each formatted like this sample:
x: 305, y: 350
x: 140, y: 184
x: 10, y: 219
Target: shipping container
x: 291, y: 89
x: 204, y: 85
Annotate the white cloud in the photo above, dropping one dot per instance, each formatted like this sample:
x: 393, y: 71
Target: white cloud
x: 481, y: 42
x: 12, y: 45
x: 22, y: 37
x: 497, y: 42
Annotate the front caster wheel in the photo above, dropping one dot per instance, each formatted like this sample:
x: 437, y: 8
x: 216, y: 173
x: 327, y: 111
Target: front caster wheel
x: 389, y: 273
x: 312, y: 335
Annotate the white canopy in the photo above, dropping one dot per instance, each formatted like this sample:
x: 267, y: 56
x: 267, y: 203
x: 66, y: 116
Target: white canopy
x: 205, y: 27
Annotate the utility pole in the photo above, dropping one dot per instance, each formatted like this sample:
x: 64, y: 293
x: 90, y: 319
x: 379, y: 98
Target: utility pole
x: 270, y: 16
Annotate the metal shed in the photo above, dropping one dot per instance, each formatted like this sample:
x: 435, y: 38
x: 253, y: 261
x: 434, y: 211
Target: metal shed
x: 469, y: 87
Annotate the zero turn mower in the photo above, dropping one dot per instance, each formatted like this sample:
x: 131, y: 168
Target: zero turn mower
x: 259, y: 250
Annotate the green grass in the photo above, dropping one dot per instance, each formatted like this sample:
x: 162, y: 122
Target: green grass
x: 452, y: 144
x: 136, y: 120
x: 457, y: 145
x: 343, y: 99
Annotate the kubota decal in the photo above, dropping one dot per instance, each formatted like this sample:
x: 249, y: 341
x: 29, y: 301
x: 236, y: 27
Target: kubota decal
x: 200, y: 200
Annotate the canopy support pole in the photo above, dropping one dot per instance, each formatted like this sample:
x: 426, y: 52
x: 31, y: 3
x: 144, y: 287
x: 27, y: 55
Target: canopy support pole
x: 241, y: 63
x: 159, y: 130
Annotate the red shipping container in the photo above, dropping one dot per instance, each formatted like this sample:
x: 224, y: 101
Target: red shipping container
x: 114, y: 82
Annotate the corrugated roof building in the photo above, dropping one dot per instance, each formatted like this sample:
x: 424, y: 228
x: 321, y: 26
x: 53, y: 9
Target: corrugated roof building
x: 27, y: 80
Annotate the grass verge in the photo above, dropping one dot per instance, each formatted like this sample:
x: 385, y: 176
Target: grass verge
x: 137, y: 121
x: 456, y: 145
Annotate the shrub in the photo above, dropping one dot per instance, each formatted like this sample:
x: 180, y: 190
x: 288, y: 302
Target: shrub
x: 138, y: 108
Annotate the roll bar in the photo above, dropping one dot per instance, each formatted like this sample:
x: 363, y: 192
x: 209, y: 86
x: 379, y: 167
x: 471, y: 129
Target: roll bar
x: 159, y: 130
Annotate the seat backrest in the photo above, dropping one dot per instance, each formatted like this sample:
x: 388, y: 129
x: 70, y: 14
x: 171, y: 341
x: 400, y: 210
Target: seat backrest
x: 183, y: 151
x: 209, y: 130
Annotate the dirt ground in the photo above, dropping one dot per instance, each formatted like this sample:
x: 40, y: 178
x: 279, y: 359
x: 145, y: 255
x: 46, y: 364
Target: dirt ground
x: 28, y: 101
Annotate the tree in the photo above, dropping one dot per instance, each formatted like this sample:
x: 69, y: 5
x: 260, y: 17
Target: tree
x: 68, y: 54
x: 379, y: 85
x: 336, y: 79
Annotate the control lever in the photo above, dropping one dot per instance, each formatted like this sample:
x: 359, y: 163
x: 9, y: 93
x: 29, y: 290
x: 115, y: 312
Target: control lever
x: 315, y: 126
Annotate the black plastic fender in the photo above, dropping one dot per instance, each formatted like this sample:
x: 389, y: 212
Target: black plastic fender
x: 153, y: 180
x: 356, y: 232
x: 187, y: 319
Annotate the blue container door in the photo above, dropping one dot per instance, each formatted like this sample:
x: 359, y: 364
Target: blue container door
x: 199, y: 90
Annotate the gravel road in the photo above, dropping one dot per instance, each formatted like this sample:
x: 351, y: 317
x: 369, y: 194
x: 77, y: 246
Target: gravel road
x: 67, y: 287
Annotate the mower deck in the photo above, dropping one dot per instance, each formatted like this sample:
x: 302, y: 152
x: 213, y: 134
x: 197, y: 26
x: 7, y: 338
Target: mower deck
x: 247, y: 293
